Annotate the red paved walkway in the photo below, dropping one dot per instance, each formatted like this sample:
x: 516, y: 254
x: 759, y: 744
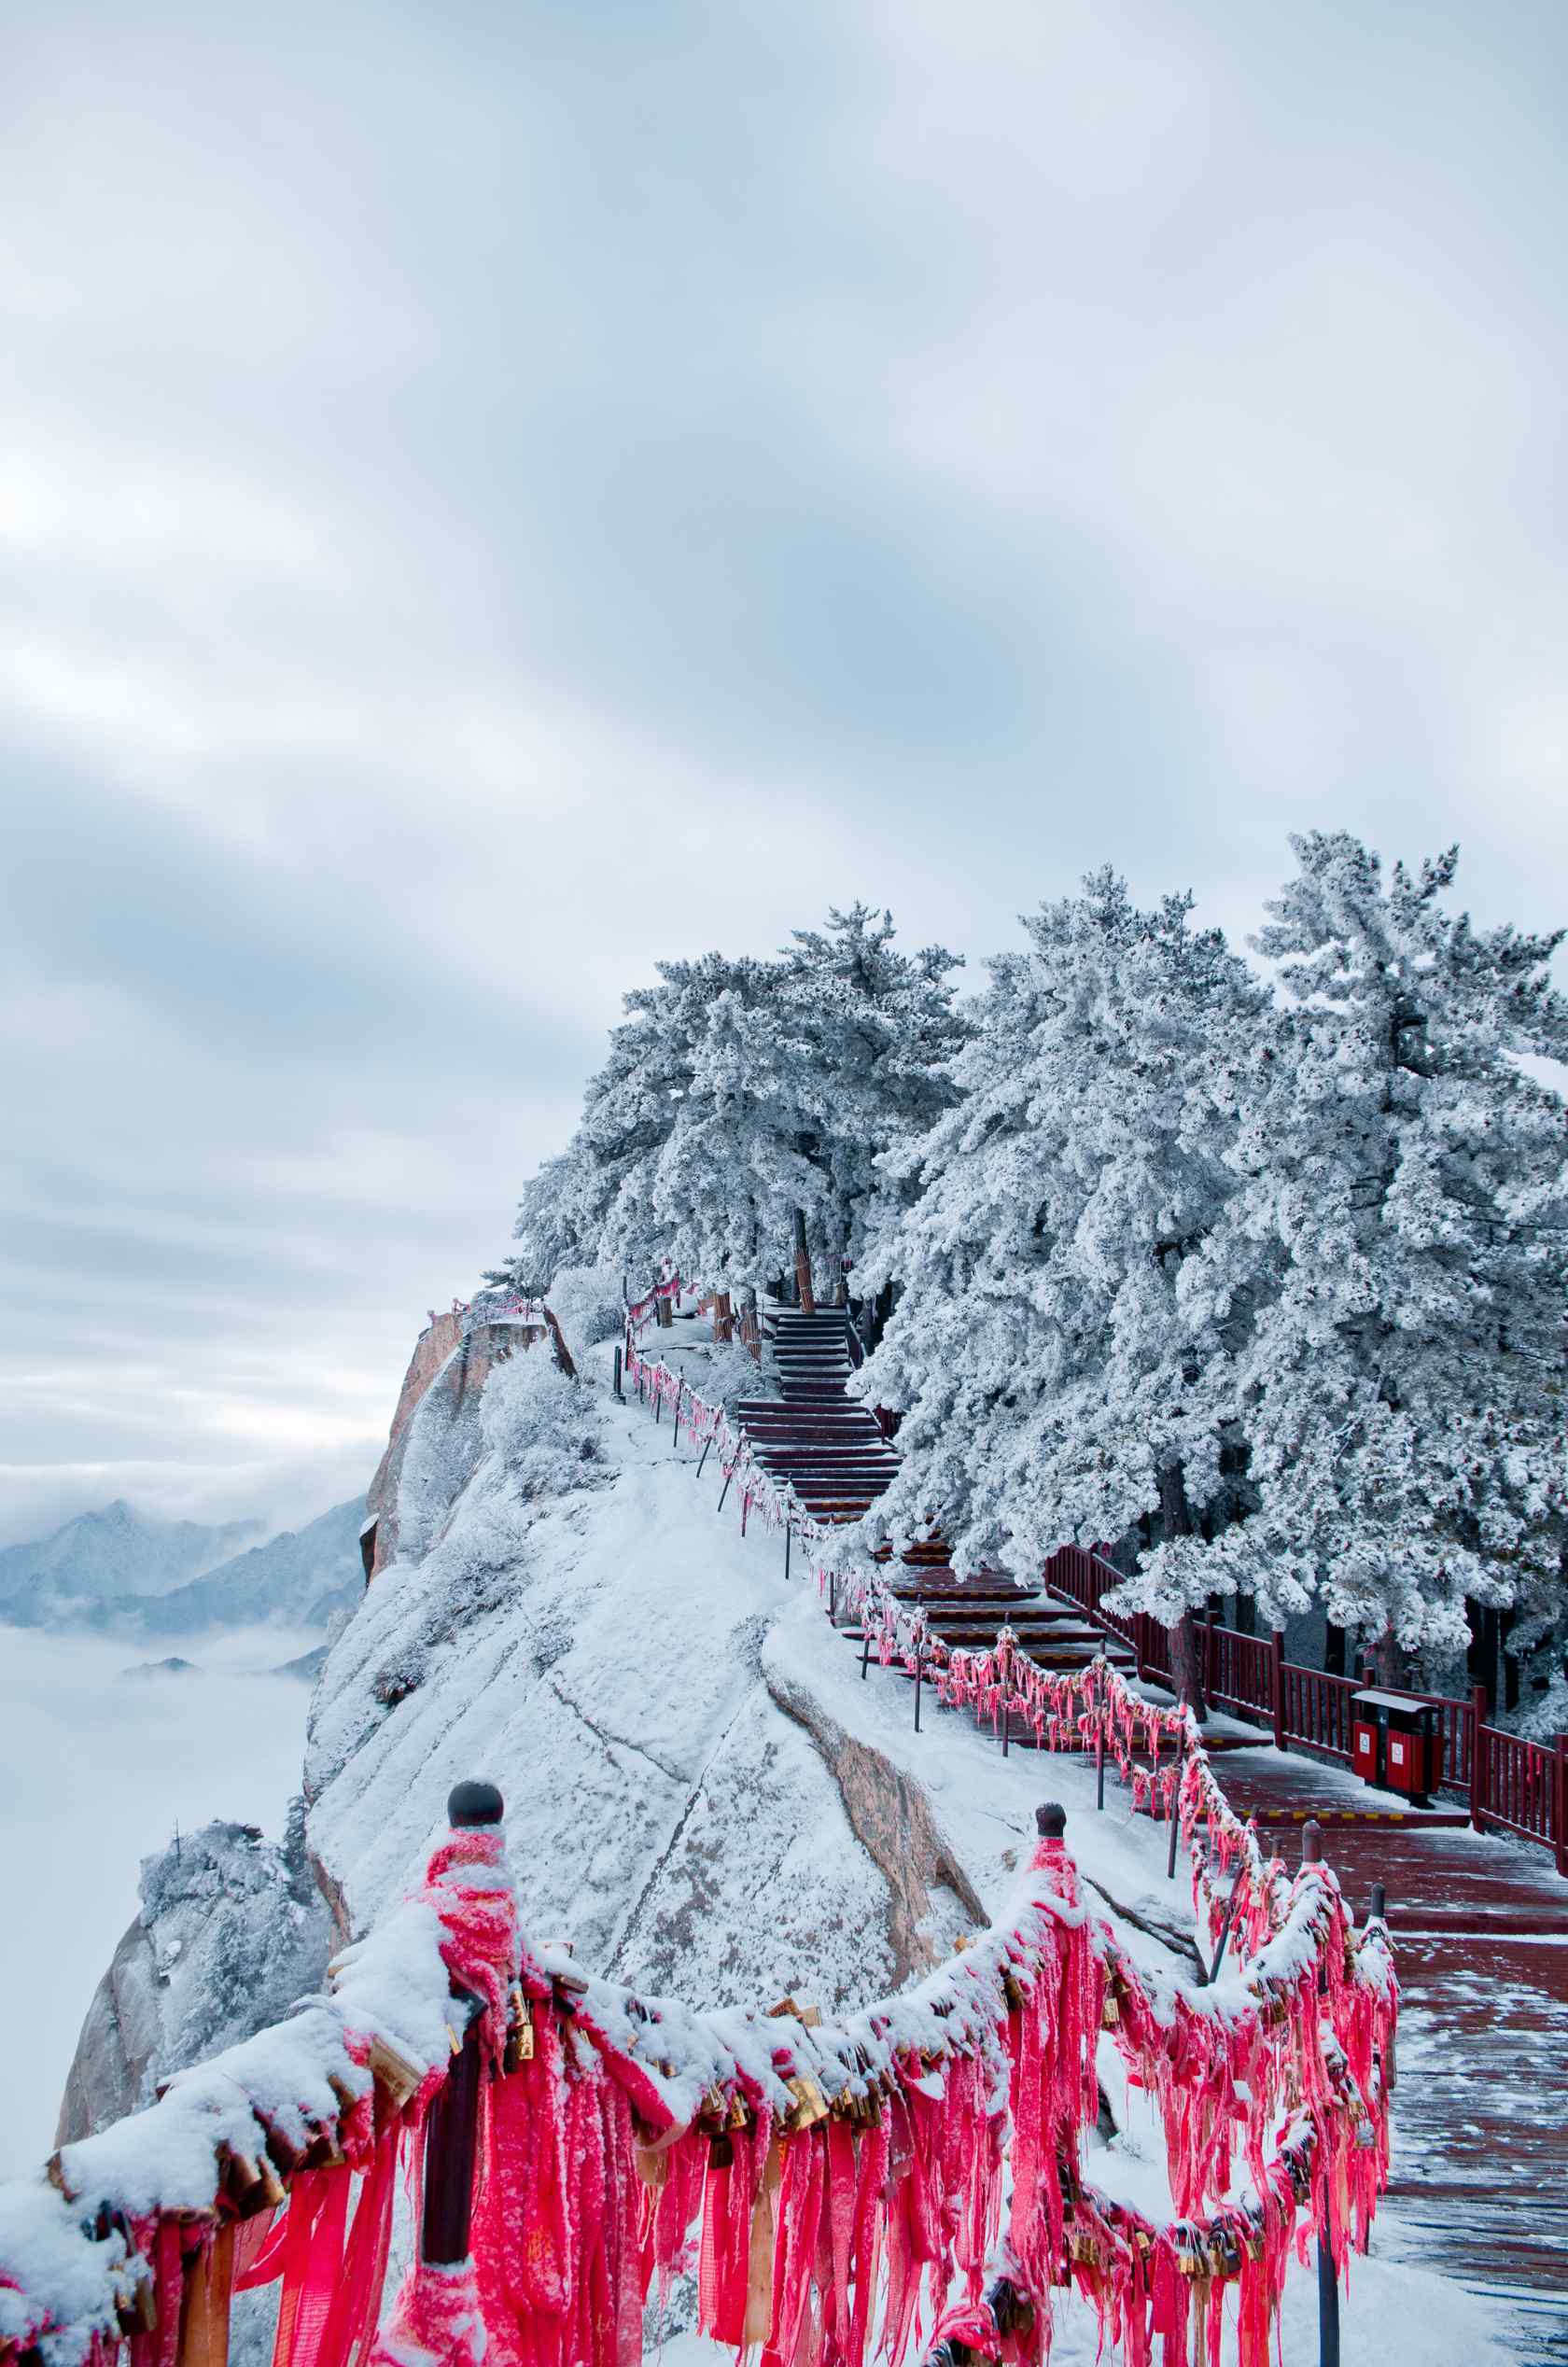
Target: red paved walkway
x: 1480, y: 2117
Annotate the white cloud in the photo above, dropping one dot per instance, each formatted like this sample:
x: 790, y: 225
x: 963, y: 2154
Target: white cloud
x: 128, y: 510
x: 471, y: 524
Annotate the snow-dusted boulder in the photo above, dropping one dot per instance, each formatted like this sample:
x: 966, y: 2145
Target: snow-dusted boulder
x: 230, y: 1930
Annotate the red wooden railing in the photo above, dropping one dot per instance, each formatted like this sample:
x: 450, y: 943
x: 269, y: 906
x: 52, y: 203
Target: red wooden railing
x: 1239, y: 1672
x: 1315, y: 1709
x: 1517, y: 1784
x: 1521, y: 1787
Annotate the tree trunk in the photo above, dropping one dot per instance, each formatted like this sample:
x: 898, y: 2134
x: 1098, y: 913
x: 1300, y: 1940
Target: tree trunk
x: 1481, y: 1657
x: 1334, y: 1649
x: 1387, y: 1660
x: 1186, y: 1664
x: 723, y: 1325
x: 803, y: 1265
x: 1186, y: 1640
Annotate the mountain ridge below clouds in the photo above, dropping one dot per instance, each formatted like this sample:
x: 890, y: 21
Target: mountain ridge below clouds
x: 115, y: 1551
x: 103, y: 1573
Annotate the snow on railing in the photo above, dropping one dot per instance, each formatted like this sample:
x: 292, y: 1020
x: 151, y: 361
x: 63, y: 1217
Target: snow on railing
x: 640, y: 1312
x: 939, y: 2130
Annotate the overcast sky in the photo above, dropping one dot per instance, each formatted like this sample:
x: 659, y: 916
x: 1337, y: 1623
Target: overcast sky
x: 490, y: 495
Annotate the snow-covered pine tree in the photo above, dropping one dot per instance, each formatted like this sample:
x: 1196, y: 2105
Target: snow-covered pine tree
x: 881, y: 1026
x: 1404, y: 1388
x: 1061, y: 1357
x: 743, y: 1097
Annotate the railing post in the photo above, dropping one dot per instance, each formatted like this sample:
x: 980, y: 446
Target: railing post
x: 1328, y: 2283
x: 618, y: 1372
x: 453, y: 2126
x: 1328, y: 2297
x: 1559, y: 1799
x: 1099, y: 1761
x: 1477, y: 1758
x: 919, y: 1674
x: 1277, y: 1685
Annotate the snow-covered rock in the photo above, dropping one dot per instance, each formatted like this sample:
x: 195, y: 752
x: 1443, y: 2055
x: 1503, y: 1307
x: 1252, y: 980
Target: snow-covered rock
x: 583, y: 1631
x: 230, y: 1930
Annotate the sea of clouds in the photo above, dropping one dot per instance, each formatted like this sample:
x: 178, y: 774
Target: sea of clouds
x: 96, y: 1768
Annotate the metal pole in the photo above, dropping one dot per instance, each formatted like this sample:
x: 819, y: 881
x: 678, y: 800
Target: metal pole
x: 1328, y: 2284
x: 919, y: 1674
x: 1006, y: 1724
x: 1391, y: 2067
x: 450, y: 2135
x: 708, y: 1443
x: 789, y: 1534
x: 1100, y: 1763
x: 618, y: 1372
x: 1175, y: 1829
x: 865, y: 1645
x: 1329, y: 2300
x: 1225, y: 1921
x: 726, y: 1489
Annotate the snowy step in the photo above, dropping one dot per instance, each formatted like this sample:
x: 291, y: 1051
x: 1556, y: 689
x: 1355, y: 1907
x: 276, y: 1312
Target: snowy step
x: 828, y: 1475
x: 807, y: 1412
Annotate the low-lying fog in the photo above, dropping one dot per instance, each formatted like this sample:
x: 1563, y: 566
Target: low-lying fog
x: 96, y: 1767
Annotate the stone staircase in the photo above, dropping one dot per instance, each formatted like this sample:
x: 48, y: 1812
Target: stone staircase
x: 832, y: 1453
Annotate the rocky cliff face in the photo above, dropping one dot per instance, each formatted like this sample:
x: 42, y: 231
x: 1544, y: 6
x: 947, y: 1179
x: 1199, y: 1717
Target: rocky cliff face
x: 433, y: 1443
x: 555, y: 1607
x: 230, y: 1931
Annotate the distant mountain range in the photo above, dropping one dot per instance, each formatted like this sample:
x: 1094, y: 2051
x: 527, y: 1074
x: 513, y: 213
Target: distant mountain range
x: 118, y: 1572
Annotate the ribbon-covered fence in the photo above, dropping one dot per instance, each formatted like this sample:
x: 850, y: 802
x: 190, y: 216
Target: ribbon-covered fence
x: 1512, y: 1784
x: 840, y: 2190
x: 640, y: 1312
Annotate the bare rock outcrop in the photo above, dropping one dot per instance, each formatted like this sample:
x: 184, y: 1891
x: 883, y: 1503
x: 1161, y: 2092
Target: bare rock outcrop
x: 930, y: 1897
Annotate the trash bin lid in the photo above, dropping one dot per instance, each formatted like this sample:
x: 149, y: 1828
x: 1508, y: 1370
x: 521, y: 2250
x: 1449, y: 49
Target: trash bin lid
x: 1372, y: 1700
